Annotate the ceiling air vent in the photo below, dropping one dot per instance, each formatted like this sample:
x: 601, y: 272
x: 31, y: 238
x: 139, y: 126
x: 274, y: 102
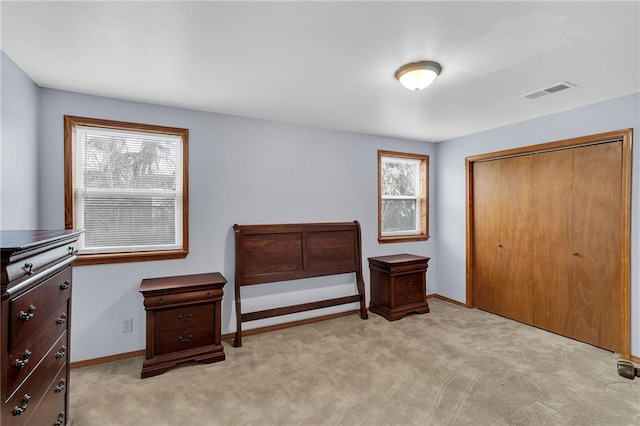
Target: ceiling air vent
x: 549, y: 90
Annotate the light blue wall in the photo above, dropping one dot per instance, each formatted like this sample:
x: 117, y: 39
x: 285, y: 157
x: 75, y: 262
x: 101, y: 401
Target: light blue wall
x: 242, y: 171
x: 253, y: 171
x: 18, y: 149
x: 615, y: 114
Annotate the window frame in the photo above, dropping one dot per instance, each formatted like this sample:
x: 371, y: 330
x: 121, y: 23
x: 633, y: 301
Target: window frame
x: 70, y: 122
x: 423, y: 231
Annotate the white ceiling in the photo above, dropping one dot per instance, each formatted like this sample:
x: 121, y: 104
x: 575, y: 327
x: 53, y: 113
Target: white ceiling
x: 331, y: 64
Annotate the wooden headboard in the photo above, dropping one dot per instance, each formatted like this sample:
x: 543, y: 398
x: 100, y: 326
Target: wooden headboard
x: 274, y: 253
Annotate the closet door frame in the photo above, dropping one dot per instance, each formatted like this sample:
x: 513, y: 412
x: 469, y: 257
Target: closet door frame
x: 625, y: 136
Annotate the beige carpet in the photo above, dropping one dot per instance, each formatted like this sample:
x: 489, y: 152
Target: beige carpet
x: 453, y: 366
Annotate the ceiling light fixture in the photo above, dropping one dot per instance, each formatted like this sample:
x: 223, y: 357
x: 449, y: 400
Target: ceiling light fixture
x: 418, y: 75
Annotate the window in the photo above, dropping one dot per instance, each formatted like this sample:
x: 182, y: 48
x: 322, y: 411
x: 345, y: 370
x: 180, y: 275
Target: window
x: 126, y: 186
x: 402, y: 197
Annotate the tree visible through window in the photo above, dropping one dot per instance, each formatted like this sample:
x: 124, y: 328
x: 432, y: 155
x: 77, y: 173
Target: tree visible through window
x: 402, y: 199
x: 126, y: 186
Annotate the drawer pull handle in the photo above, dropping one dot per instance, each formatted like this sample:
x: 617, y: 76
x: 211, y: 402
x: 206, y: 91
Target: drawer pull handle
x: 185, y: 339
x: 61, y: 319
x: 409, y: 282
x: 61, y: 353
x: 60, y: 420
x: 28, y: 267
x: 19, y: 409
x: 72, y: 250
x: 26, y: 316
x: 408, y: 296
x: 60, y: 387
x: 161, y: 301
x: 64, y: 285
x: 19, y: 363
x: 185, y: 318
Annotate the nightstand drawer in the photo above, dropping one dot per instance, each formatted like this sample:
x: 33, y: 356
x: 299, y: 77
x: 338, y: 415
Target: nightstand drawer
x: 181, y: 298
x: 408, y: 268
x: 182, y: 318
x: 407, y: 283
x: 408, y: 289
x: 408, y: 298
x: 186, y: 338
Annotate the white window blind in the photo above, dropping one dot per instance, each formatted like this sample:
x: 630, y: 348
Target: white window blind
x: 400, y: 193
x: 128, y: 190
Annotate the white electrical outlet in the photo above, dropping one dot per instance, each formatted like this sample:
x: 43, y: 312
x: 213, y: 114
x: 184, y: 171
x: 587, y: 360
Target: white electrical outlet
x: 127, y: 325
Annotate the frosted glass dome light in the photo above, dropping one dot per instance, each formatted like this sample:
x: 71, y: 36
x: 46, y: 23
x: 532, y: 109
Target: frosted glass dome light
x: 418, y: 75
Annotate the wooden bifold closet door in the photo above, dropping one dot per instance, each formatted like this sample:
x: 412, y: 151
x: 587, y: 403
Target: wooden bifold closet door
x: 504, y: 244
x: 547, y: 237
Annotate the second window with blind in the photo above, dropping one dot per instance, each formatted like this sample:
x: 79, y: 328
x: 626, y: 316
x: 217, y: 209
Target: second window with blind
x: 126, y: 186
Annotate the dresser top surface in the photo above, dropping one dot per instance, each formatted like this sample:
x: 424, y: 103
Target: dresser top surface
x: 398, y: 259
x: 14, y: 241
x: 181, y: 283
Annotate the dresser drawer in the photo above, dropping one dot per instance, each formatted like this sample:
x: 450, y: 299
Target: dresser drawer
x: 33, y: 264
x: 52, y: 406
x: 26, y: 398
x: 27, y: 355
x: 35, y: 309
x: 186, y: 338
x: 175, y: 299
x: 181, y: 318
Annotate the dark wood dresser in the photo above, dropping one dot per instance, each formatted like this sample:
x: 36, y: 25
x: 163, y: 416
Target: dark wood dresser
x: 36, y: 313
x: 398, y: 285
x: 183, y: 320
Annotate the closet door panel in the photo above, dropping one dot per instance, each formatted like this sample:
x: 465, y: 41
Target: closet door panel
x: 597, y: 219
x: 486, y: 190
x: 516, y: 212
x: 552, y: 241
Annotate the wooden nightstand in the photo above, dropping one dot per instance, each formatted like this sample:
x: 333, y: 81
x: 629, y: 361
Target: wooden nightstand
x: 398, y: 285
x: 183, y: 320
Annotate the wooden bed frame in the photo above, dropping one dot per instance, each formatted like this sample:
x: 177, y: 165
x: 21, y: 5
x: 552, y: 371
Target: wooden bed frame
x: 274, y: 253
